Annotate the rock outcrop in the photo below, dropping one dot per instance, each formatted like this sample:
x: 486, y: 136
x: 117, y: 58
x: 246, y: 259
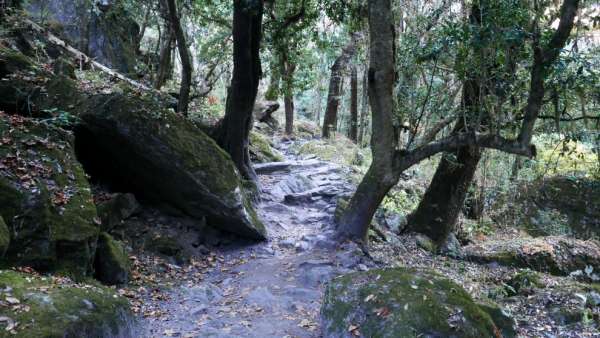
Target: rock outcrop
x: 556, y: 255
x: 35, y: 306
x: 45, y: 198
x: 407, y: 303
x: 112, y: 262
x: 104, y: 32
x: 136, y: 144
x: 557, y: 206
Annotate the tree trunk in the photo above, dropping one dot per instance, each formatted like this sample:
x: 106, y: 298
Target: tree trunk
x: 289, y: 113
x: 234, y: 129
x: 364, y: 111
x: 335, y: 86
x: 272, y: 93
x: 381, y: 177
x: 186, y: 61
x: 445, y: 197
x: 168, y: 41
x: 288, y: 70
x: 354, y: 105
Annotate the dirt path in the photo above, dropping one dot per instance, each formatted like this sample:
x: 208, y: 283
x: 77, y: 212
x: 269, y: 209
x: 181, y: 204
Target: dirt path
x: 271, y: 289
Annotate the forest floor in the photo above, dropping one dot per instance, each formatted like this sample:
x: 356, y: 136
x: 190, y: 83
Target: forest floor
x: 274, y: 288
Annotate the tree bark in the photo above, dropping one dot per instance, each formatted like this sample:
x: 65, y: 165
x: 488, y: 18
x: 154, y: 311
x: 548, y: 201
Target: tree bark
x: 186, y: 60
x: 288, y: 70
x: 168, y: 40
x: 234, y: 130
x: 364, y: 109
x: 381, y: 176
x: 354, y: 105
x: 335, y: 86
x: 445, y: 197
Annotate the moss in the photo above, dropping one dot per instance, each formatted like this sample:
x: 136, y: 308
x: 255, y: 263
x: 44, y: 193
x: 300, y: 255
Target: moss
x: 4, y: 237
x: 164, y: 245
x: 525, y: 279
x: 338, y: 150
x: 12, y: 61
x: 49, y: 211
x: 58, y: 308
x: 10, y: 199
x: 198, y: 177
x: 261, y: 149
x: 112, y: 262
x: 416, y: 303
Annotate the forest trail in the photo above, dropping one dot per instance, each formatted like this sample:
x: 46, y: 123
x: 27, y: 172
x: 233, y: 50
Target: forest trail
x: 274, y: 288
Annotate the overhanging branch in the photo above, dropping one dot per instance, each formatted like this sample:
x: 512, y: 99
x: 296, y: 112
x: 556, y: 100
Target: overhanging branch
x: 405, y: 159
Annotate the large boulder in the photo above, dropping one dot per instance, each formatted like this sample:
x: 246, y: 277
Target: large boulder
x: 35, y: 306
x: 405, y: 302
x: 105, y: 33
x: 557, y: 206
x: 139, y: 146
x: 557, y: 255
x: 112, y: 262
x: 45, y: 199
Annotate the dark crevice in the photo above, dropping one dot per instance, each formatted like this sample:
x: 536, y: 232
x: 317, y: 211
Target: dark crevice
x: 99, y: 165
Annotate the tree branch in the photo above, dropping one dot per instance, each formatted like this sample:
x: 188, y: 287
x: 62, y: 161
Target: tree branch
x: 542, y: 60
x: 405, y: 159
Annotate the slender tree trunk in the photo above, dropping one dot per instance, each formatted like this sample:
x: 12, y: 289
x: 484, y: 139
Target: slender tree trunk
x: 168, y: 41
x: 288, y: 70
x: 186, y: 60
x: 234, y: 129
x: 354, y: 105
x: 381, y: 176
x: 364, y: 111
x: 335, y: 87
x: 272, y: 93
x: 144, y: 27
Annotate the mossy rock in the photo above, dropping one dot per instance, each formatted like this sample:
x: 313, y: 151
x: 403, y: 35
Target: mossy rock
x: 557, y: 206
x: 108, y: 34
x: 35, y: 91
x: 112, y: 262
x: 45, y: 199
x: 164, y: 245
x: 261, y: 150
x: 60, y: 308
x: 402, y: 302
x: 557, y: 255
x: 524, y: 280
x: 115, y: 210
x: 4, y: 237
x: 139, y: 146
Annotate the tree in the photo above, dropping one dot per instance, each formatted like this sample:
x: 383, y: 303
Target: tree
x: 186, y: 60
x: 287, y: 29
x: 388, y: 162
x: 353, y: 130
x: 233, y: 131
x: 444, y: 199
x: 166, y: 42
x: 364, y: 111
x: 335, y: 86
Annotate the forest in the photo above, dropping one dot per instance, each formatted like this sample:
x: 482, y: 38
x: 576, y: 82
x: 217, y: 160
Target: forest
x: 299, y: 168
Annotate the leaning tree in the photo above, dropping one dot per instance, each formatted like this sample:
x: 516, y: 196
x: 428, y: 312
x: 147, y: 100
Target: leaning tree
x: 233, y: 131
x: 390, y: 161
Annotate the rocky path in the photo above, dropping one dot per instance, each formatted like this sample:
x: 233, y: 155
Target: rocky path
x: 270, y: 289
